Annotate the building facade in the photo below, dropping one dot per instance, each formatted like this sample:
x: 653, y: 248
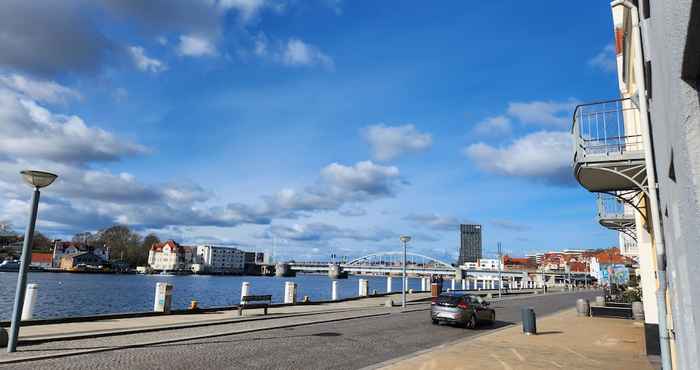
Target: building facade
x: 220, y: 260
x: 62, y: 248
x: 470, y: 243
x: 171, y: 256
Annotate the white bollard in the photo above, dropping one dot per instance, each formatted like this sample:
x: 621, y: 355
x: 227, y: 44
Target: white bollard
x: 30, y: 301
x: 454, y: 283
x: 245, y: 290
x: 163, y: 298
x: 290, y: 292
x: 464, y: 284
x: 388, y: 284
x: 363, y: 286
x: 334, y: 290
x: 422, y: 284
x: 405, y: 286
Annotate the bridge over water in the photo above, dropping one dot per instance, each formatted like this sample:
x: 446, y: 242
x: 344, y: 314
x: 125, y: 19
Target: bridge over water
x: 418, y: 265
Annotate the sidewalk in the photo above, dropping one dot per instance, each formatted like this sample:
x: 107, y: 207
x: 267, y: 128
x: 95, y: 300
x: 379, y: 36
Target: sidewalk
x: 64, y: 331
x: 565, y: 341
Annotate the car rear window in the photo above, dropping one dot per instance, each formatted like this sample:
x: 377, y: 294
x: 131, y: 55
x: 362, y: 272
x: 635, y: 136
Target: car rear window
x: 449, y: 300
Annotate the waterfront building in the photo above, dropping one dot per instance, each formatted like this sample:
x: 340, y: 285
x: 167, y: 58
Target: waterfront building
x: 62, y: 248
x: 470, y: 243
x: 171, y: 256
x: 219, y: 260
x: 44, y: 260
x: 483, y: 264
x: 79, y: 260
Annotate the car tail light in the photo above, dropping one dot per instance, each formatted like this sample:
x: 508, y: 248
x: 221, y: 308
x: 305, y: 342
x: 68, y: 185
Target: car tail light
x: 463, y: 305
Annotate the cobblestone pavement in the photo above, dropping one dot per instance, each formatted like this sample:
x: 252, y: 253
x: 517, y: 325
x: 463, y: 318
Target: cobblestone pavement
x: 348, y: 344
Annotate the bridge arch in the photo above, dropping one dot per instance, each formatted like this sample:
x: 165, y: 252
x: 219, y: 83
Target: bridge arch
x: 378, y: 256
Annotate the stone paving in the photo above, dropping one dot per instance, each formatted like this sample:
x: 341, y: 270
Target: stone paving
x: 564, y: 341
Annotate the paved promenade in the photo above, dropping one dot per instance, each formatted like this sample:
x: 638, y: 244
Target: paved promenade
x: 347, y: 335
x: 565, y: 341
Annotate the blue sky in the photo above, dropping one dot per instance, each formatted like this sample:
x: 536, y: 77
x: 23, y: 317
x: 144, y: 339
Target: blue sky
x: 322, y: 126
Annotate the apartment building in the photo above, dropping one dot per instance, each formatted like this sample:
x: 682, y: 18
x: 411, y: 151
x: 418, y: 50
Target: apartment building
x: 641, y: 154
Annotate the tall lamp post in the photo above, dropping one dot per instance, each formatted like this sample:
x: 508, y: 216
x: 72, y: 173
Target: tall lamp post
x: 404, y: 239
x: 38, y: 180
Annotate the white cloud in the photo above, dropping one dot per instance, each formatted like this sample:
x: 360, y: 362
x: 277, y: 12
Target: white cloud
x: 40, y: 90
x: 435, y: 221
x: 550, y: 113
x: 29, y: 130
x: 196, y: 46
x: 543, y: 156
x: 388, y: 142
x: 605, y: 59
x: 143, y: 62
x: 317, y: 232
x: 493, y: 126
x: 299, y: 53
x: 247, y: 9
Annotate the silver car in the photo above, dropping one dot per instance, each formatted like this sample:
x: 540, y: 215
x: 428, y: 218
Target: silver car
x: 462, y: 309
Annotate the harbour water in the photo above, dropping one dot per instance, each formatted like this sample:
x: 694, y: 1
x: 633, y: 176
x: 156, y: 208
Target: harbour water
x: 67, y: 295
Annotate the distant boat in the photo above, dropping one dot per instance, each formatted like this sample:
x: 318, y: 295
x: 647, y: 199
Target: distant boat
x: 9, y: 265
x: 166, y: 273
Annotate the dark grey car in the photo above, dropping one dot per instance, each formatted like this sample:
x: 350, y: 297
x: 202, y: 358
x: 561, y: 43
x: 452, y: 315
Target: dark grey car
x: 462, y: 309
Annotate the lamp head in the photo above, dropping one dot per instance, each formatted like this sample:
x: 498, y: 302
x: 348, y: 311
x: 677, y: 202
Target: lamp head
x: 405, y: 238
x: 38, y: 179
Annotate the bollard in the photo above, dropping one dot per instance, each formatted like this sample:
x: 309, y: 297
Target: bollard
x: 163, y: 298
x: 529, y: 320
x: 600, y: 300
x: 30, y: 301
x: 245, y: 290
x: 388, y: 284
x: 422, y: 284
x: 363, y: 286
x: 334, y: 290
x: 3, y: 337
x: 374, y: 291
x: 194, y: 305
x: 453, y: 284
x: 637, y: 310
x: 583, y: 307
x: 464, y: 284
x: 306, y: 299
x: 290, y: 292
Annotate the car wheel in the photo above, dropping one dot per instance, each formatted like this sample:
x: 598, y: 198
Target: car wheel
x: 436, y: 322
x: 471, y: 323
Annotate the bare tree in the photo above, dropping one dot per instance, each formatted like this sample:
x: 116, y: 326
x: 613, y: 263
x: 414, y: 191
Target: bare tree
x: 123, y: 244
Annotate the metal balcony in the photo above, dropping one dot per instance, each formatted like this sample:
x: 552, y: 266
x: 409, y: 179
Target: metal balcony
x: 608, y: 146
x: 616, y: 214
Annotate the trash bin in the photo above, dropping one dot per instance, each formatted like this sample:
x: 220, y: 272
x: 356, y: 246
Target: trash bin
x: 583, y: 307
x: 529, y: 321
x: 434, y: 289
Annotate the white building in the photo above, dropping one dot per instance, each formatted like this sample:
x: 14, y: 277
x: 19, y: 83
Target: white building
x: 219, y: 260
x: 170, y: 256
x: 483, y: 264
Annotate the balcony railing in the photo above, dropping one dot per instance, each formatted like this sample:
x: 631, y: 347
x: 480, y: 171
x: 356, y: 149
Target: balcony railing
x: 611, y: 208
x: 606, y: 128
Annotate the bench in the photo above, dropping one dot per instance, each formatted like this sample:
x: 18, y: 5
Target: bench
x: 255, y: 301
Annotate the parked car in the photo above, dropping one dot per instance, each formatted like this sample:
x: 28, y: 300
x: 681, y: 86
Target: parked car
x: 462, y: 309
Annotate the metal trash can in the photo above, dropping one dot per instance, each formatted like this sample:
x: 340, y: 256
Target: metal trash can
x: 529, y: 321
x: 583, y: 307
x: 637, y: 310
x: 3, y: 337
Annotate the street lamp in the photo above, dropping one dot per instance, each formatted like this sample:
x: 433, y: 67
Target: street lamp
x: 38, y: 180
x: 404, y: 239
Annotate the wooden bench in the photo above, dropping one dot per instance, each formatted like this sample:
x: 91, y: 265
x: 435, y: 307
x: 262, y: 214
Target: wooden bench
x: 255, y: 301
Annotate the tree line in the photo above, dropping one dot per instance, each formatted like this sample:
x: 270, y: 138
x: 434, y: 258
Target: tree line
x: 124, y: 244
